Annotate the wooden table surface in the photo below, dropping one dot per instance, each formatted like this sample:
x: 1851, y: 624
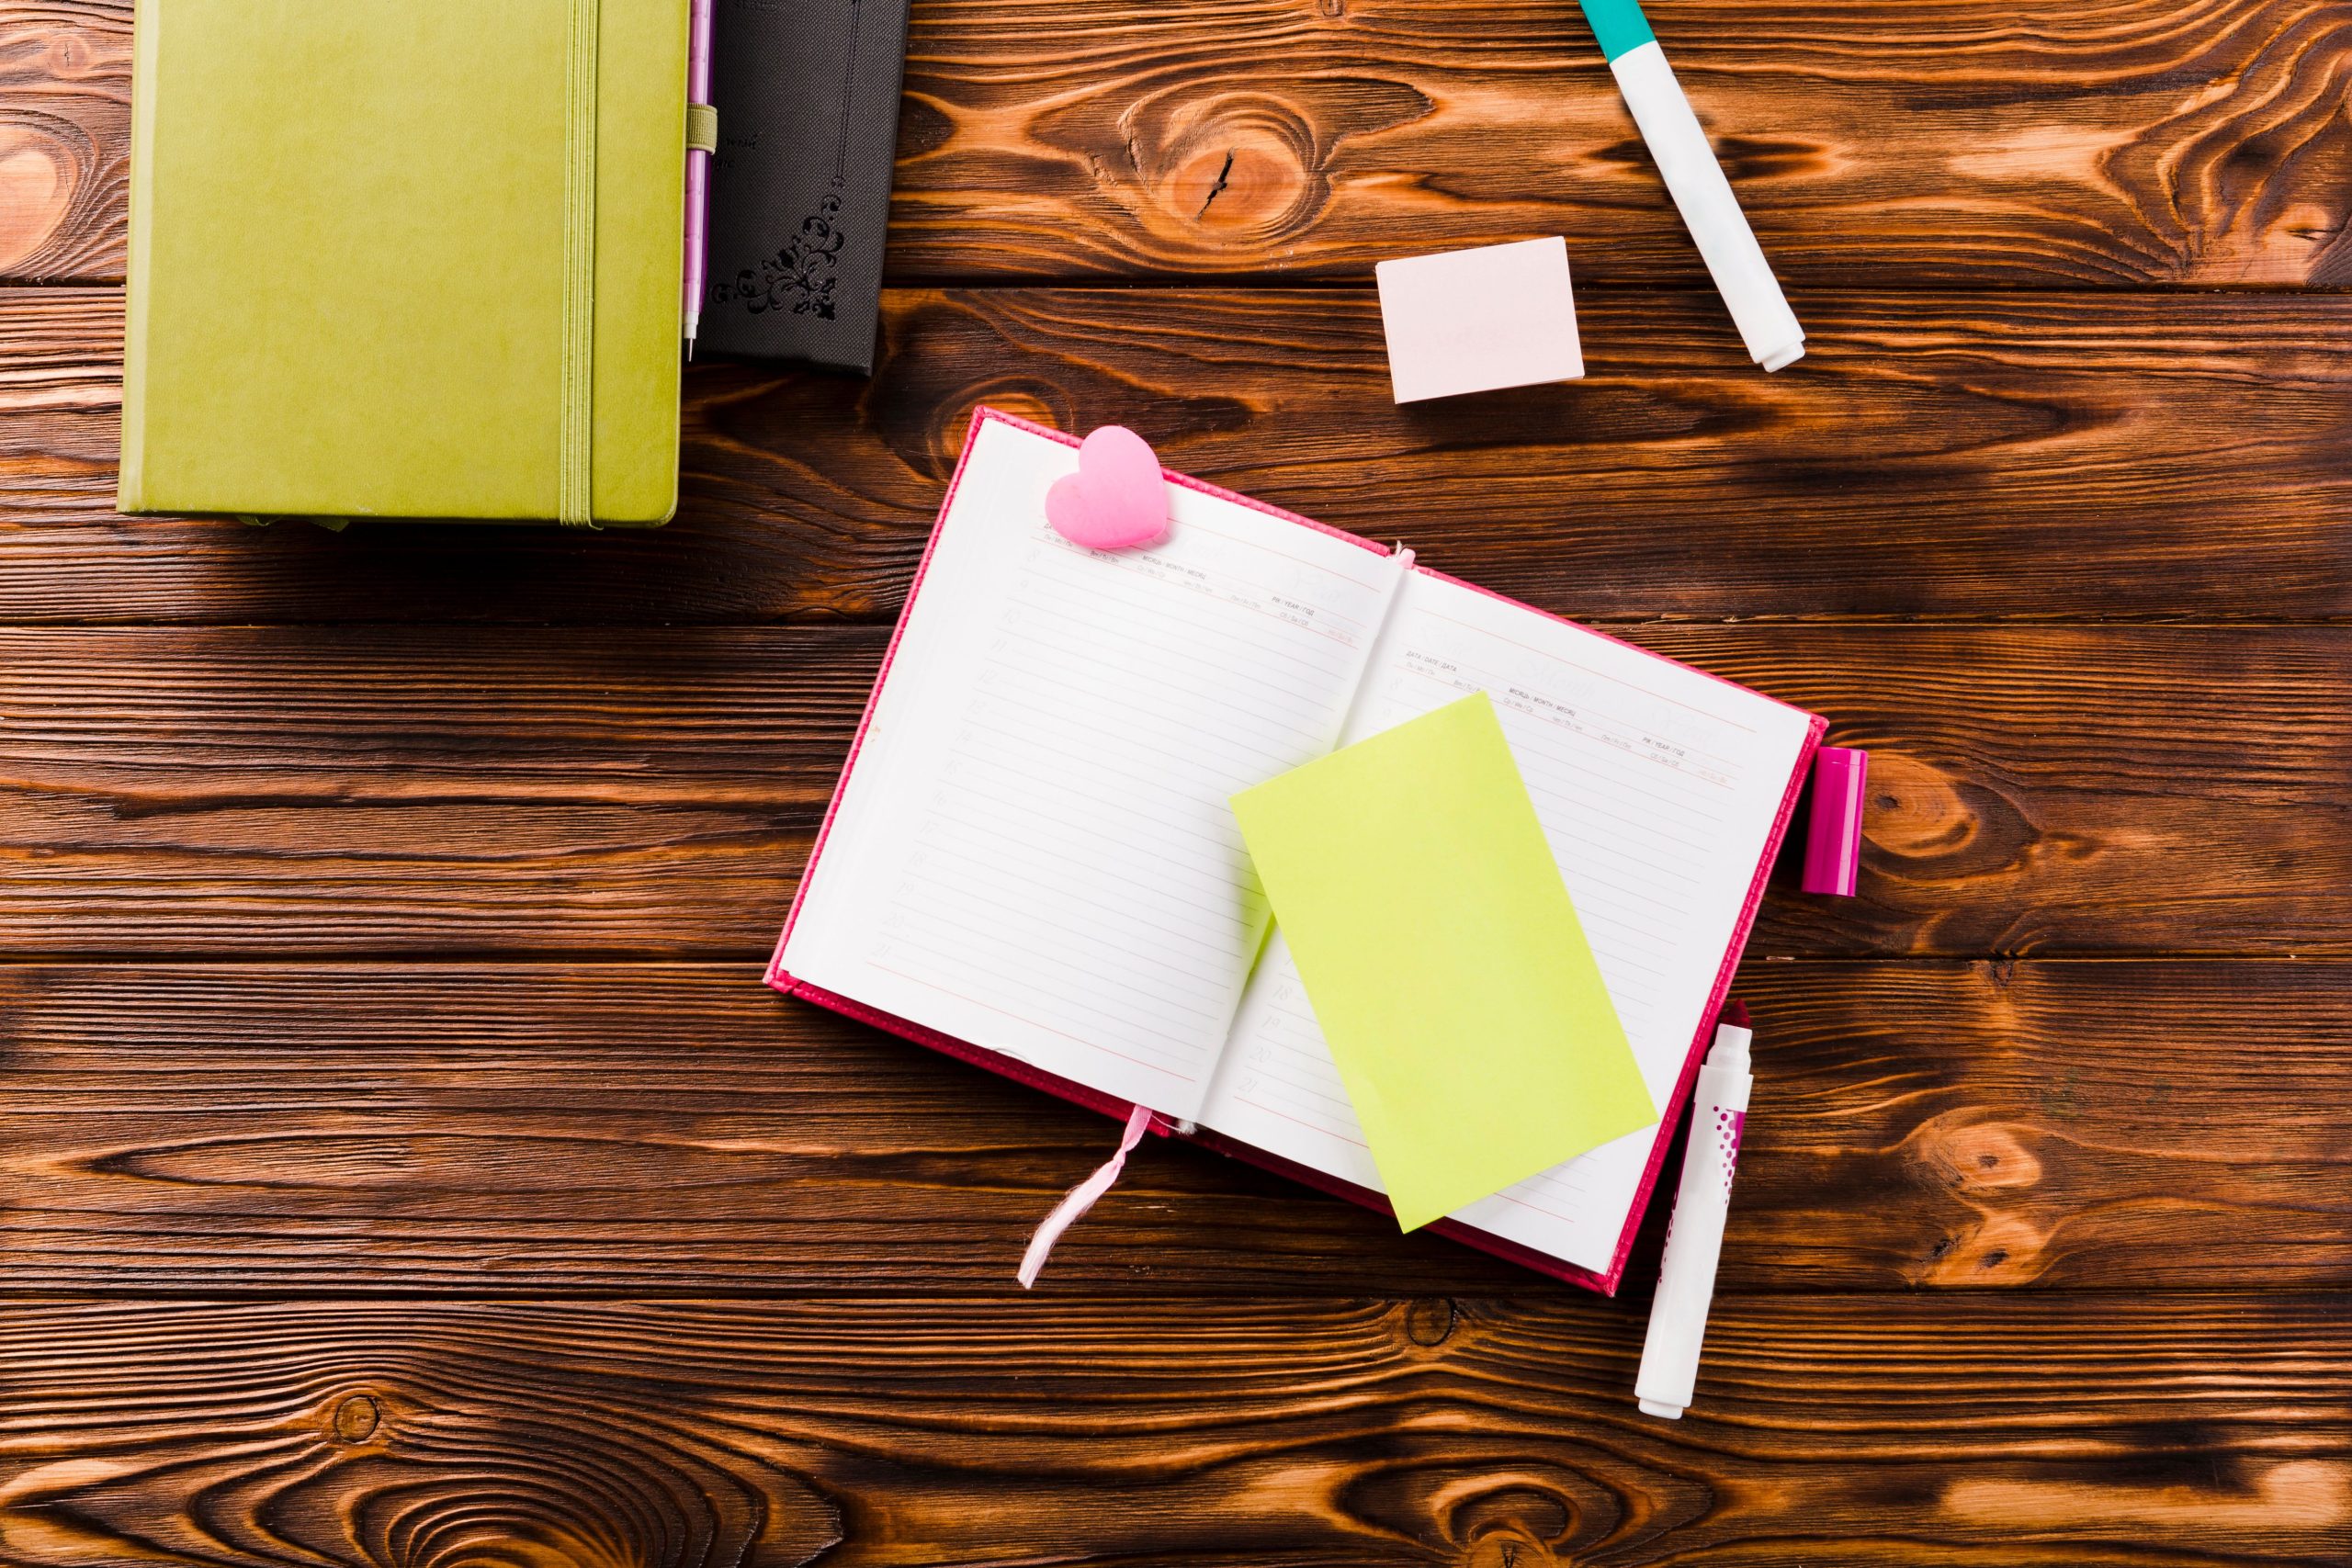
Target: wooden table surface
x: 401, y: 1163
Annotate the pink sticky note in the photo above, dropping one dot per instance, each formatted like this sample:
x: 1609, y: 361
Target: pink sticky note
x: 1473, y: 320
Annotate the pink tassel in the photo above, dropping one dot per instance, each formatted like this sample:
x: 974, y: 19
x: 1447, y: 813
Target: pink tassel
x: 1080, y: 1198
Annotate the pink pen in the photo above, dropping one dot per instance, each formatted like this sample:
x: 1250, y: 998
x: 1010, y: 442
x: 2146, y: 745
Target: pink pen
x: 698, y: 167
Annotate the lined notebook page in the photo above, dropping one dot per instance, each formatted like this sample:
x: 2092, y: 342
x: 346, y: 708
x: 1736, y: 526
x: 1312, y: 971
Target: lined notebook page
x: 1035, y: 852
x: 1657, y: 789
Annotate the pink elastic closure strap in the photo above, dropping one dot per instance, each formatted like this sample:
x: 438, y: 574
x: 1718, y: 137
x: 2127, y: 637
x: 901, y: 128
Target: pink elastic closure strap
x: 1833, y: 838
x: 1080, y: 1198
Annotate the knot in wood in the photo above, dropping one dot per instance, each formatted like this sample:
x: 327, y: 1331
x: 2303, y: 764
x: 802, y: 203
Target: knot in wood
x: 356, y: 1418
x: 1428, y: 1322
x: 1247, y: 164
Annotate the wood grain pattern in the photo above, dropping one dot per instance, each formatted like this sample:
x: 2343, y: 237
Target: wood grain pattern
x: 380, y: 912
x: 1482, y: 1434
x: 64, y: 139
x: 361, y: 790
x: 677, y: 1128
x: 2140, y: 143
x: 444, y: 791
x: 1941, y: 457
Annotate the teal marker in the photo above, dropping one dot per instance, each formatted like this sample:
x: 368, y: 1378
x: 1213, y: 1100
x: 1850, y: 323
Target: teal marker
x: 1696, y: 181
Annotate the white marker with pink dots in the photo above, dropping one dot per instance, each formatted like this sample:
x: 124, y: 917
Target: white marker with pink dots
x: 1694, y: 1237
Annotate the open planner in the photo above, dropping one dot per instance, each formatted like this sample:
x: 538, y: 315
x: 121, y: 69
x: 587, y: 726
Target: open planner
x: 1031, y: 863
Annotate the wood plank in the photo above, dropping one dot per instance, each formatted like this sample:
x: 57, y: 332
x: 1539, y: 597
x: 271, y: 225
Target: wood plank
x: 1941, y: 457
x: 368, y: 790
x: 665, y: 1129
x: 1877, y: 143
x: 1485, y: 1434
x: 64, y: 137
x: 365, y: 790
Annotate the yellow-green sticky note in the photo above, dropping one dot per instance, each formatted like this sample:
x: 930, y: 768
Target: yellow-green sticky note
x: 1444, y: 960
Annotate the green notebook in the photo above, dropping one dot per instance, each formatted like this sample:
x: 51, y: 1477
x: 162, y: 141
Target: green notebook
x: 406, y: 258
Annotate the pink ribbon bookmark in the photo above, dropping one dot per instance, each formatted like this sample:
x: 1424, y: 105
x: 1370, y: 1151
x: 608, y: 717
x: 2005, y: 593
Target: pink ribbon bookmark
x: 1080, y: 1198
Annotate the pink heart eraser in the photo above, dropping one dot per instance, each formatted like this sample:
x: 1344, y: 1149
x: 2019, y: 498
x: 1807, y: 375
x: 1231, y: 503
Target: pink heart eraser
x: 1118, y: 498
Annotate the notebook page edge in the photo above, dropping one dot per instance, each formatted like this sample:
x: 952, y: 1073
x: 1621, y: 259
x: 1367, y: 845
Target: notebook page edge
x: 1687, y: 1082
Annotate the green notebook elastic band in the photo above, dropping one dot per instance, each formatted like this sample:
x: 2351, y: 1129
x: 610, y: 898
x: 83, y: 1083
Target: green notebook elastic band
x: 576, y: 500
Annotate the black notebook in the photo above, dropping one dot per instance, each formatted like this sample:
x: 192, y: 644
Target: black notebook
x: 807, y: 98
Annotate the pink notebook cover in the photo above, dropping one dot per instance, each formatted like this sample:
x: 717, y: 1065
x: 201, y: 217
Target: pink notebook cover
x: 1094, y: 1100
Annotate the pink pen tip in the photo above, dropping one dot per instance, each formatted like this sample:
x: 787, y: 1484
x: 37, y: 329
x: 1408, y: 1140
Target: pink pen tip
x: 1735, y: 1013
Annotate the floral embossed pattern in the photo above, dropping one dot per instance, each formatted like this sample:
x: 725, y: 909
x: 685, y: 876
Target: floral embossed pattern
x: 799, y: 276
